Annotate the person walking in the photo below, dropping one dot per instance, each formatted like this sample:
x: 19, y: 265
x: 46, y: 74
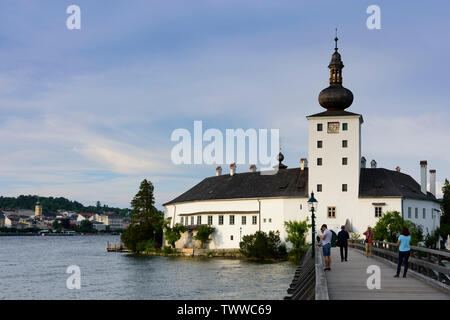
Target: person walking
x: 342, y: 242
x: 404, y: 250
x: 369, y: 241
x: 325, y: 243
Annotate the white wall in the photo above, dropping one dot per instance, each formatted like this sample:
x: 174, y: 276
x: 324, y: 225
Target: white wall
x: 428, y: 224
x: 273, y: 214
x: 332, y: 173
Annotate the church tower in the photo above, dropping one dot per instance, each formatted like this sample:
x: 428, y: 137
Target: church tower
x: 38, y: 209
x: 334, y: 151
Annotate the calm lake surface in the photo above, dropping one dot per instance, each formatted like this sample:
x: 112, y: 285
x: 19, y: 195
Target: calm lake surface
x: 35, y: 268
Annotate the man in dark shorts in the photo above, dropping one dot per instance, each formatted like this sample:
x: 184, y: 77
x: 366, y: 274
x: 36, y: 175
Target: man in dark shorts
x: 325, y: 242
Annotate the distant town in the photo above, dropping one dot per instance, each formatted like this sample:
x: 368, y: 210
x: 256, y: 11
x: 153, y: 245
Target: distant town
x: 42, y: 221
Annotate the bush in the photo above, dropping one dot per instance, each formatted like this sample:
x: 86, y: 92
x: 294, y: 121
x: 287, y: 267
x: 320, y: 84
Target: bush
x: 172, y: 235
x: 296, y: 234
x: 261, y: 245
x: 354, y: 235
x: 203, y: 234
x: 168, y: 250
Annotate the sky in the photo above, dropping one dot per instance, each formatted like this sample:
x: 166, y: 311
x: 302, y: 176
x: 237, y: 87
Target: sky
x: 88, y: 114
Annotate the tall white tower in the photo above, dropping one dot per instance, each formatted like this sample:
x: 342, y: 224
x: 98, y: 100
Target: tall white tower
x: 334, y: 152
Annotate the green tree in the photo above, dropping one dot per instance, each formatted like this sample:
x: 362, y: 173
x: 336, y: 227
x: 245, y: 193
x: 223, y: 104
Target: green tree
x: 296, y: 234
x: 203, y: 234
x: 173, y: 234
x: 86, y: 226
x: 261, y: 245
x: 444, y: 229
x: 390, y: 225
x: 146, y: 221
x: 57, y: 226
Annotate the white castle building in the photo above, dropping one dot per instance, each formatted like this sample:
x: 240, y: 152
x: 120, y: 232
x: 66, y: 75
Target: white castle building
x: 348, y: 192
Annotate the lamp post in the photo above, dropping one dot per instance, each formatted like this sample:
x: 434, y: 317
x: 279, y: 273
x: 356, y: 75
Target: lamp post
x: 312, y: 204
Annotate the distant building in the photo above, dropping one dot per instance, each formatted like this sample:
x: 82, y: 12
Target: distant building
x: 38, y: 209
x: 2, y: 220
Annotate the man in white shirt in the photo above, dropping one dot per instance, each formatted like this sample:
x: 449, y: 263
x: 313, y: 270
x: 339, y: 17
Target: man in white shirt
x: 325, y: 243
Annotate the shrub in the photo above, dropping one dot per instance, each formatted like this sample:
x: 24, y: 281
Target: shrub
x: 203, y: 234
x: 296, y: 234
x: 173, y: 234
x: 261, y: 245
x: 168, y: 250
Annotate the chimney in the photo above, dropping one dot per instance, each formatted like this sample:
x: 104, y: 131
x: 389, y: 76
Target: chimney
x: 373, y: 164
x: 423, y: 176
x: 433, y: 182
x: 363, y: 162
x: 252, y: 168
x: 397, y: 168
x: 219, y: 171
x: 303, y: 164
x: 232, y: 169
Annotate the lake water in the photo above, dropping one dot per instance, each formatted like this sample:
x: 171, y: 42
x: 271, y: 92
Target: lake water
x: 35, y: 268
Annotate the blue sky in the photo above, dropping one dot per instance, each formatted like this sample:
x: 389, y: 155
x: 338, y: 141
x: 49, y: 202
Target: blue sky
x: 87, y: 114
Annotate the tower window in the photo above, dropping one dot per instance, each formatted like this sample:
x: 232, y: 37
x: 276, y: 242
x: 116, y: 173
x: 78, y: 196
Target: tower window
x: 344, y: 187
x: 331, y: 212
x: 344, y: 126
x: 231, y: 237
x: 344, y: 143
x: 319, y: 127
x: 319, y: 161
x: 319, y: 144
x: 319, y: 188
x: 344, y: 161
x: 378, y: 212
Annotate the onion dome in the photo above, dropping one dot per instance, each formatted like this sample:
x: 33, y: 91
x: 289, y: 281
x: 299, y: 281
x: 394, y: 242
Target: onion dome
x: 280, y: 159
x: 335, y: 97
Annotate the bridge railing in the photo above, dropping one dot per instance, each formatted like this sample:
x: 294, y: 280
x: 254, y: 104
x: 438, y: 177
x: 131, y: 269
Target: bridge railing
x: 434, y: 264
x: 309, y: 281
x: 303, y: 285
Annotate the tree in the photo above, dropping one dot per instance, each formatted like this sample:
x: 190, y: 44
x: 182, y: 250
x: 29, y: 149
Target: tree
x: 57, y: 226
x: 390, y: 225
x: 173, y: 234
x: 204, y: 233
x: 296, y: 234
x: 261, y: 245
x: 444, y: 229
x: 86, y: 226
x: 146, y: 222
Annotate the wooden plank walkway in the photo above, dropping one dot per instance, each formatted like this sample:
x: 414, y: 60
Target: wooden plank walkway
x: 347, y: 281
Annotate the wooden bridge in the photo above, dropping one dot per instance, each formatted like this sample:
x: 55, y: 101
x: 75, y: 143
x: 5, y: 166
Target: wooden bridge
x: 428, y: 276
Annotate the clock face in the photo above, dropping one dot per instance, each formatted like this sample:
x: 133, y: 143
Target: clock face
x: 333, y: 127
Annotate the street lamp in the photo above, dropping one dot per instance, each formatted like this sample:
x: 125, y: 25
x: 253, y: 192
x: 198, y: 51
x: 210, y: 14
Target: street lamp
x: 312, y: 204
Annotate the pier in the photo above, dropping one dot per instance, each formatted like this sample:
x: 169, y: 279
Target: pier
x: 428, y: 277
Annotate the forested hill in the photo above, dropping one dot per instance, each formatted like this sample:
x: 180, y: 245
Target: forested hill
x: 50, y: 204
